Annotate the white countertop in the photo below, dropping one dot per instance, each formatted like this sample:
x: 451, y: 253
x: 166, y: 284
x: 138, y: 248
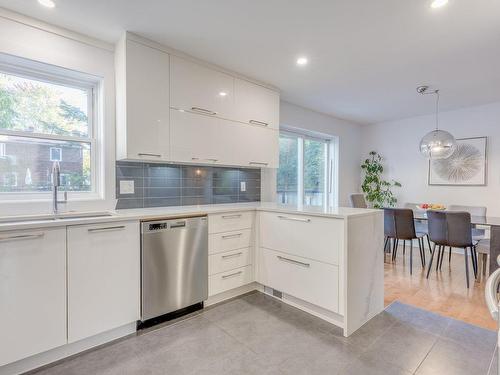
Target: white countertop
x: 43, y: 221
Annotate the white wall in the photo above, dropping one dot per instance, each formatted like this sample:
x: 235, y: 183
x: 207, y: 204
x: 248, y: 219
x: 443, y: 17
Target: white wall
x: 349, y: 137
x: 398, y: 141
x: 31, y: 39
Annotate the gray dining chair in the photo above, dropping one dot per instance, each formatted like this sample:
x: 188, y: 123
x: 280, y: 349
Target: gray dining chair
x: 358, y: 201
x: 479, y: 211
x: 420, y: 225
x: 451, y: 229
x: 399, y: 224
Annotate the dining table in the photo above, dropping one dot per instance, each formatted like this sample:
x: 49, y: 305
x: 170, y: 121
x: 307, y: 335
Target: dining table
x: 492, y: 222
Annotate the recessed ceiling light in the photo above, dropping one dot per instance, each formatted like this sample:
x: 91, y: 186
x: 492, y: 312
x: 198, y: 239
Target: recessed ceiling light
x: 438, y: 3
x: 47, y: 3
x: 222, y: 93
x: 302, y: 61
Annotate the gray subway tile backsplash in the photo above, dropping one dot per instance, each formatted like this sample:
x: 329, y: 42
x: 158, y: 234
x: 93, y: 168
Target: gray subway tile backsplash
x: 158, y: 185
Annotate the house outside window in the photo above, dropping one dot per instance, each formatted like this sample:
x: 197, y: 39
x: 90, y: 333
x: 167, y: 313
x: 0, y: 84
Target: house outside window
x: 55, y: 154
x: 46, y: 112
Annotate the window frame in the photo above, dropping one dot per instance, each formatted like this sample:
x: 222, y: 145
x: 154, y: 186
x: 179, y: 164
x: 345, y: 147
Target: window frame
x: 29, y: 69
x: 330, y: 169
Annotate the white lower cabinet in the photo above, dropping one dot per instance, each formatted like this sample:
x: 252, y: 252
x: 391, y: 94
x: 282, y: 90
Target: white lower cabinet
x: 232, y: 279
x: 32, y: 292
x: 103, y: 277
x: 312, y: 281
x: 229, y: 260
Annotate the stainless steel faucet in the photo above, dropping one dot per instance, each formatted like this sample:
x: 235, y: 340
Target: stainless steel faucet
x: 56, y: 182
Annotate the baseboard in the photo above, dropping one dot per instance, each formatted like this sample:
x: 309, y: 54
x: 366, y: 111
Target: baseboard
x: 65, y: 351
x: 212, y: 300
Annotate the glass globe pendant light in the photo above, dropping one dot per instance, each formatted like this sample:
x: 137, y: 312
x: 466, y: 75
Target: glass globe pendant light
x: 438, y: 144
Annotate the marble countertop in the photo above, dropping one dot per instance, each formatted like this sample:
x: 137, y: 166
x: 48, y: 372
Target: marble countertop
x: 44, y: 221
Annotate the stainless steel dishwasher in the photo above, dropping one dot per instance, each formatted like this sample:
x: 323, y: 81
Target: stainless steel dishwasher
x: 174, y: 262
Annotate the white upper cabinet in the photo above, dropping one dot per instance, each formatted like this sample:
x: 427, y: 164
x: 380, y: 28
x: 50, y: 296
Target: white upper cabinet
x: 142, y: 95
x: 256, y: 105
x: 32, y: 292
x: 199, y: 89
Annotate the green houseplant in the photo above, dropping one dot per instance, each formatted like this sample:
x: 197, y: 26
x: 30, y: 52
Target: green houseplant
x: 377, y: 190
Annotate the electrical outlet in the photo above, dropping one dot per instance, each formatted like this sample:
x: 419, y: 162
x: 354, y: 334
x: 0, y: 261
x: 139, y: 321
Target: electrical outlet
x: 243, y: 186
x: 127, y: 187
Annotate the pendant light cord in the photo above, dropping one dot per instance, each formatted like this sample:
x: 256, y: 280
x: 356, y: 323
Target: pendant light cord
x: 437, y: 109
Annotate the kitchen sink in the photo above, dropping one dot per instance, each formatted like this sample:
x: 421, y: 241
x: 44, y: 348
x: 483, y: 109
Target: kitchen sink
x: 58, y: 217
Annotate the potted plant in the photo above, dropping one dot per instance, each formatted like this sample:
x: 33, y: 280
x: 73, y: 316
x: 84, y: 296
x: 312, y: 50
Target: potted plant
x: 377, y: 190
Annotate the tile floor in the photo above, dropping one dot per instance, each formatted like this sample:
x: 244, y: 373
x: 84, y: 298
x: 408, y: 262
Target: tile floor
x: 256, y: 334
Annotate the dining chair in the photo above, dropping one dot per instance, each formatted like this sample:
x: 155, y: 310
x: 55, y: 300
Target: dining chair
x: 358, y: 201
x: 451, y: 229
x: 477, y: 233
x: 420, y: 225
x: 399, y: 224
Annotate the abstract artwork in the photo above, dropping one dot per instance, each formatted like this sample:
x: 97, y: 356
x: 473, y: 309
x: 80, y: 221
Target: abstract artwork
x: 466, y: 166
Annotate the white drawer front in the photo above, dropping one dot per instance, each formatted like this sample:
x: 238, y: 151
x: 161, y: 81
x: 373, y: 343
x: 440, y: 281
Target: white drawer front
x: 220, y: 242
x: 229, y: 260
x: 310, y: 237
x: 230, y: 221
x: 311, y: 281
x: 229, y: 280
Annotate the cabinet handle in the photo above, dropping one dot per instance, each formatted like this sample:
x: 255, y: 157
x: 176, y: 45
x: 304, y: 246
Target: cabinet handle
x: 18, y: 237
x: 283, y: 259
x: 232, y: 255
x: 294, y: 219
x: 260, y: 123
x: 204, y: 111
x: 257, y: 163
x: 149, y: 154
x: 228, y: 236
x: 213, y: 160
x: 232, y: 274
x: 106, y: 229
x: 231, y: 216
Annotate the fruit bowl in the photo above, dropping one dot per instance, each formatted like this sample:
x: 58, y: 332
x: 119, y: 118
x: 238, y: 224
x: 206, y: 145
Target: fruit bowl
x: 431, y: 206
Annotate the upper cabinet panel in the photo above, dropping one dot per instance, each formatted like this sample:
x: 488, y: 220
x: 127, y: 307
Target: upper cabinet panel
x: 256, y: 105
x: 199, y: 89
x: 142, y: 102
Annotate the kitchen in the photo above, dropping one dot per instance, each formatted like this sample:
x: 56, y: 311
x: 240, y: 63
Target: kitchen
x: 140, y: 190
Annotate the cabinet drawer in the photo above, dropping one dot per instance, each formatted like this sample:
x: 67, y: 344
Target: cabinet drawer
x: 229, y: 280
x: 230, y: 221
x: 311, y: 281
x: 220, y: 242
x: 229, y: 260
x: 310, y: 237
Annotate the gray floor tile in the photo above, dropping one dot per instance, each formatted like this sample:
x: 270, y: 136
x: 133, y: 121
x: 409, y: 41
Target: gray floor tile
x: 494, y: 364
x: 475, y: 338
x: 448, y: 357
x: 418, y: 318
x: 403, y: 346
x: 365, y: 366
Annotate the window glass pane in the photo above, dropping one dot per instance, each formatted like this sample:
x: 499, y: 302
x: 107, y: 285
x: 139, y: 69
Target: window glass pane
x: 288, y: 170
x: 34, y: 106
x: 26, y: 164
x: 314, y: 172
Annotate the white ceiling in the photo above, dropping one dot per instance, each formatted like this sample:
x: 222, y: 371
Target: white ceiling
x: 366, y: 56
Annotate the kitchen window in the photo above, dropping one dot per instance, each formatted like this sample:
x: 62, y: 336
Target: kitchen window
x: 46, y: 113
x: 306, y: 171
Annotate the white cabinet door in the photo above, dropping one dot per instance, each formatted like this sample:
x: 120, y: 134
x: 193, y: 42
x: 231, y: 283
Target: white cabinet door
x: 256, y: 105
x: 247, y: 145
x: 32, y: 292
x: 200, y: 89
x: 311, y: 281
x: 103, y: 277
x: 195, y: 138
x: 145, y: 125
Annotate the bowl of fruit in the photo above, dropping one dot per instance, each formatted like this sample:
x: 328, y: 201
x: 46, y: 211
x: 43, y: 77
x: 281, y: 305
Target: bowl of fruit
x: 431, y: 206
